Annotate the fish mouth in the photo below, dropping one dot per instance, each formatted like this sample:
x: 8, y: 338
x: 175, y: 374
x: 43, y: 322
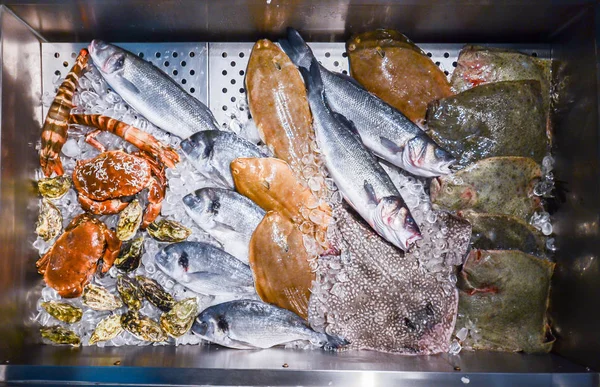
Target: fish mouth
x: 96, y: 45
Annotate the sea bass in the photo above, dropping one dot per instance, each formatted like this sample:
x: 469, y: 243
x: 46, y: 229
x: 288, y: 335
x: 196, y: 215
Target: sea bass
x: 150, y: 91
x: 359, y: 177
x: 206, y: 269
x: 227, y: 216
x: 383, y: 129
x: 212, y: 151
x: 248, y: 324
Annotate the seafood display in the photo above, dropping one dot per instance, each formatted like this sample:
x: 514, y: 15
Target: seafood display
x: 392, y: 67
x: 343, y: 220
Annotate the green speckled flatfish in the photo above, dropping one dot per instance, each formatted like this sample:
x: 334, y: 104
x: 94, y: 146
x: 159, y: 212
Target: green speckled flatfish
x: 150, y: 91
x: 496, y: 119
x: 500, y: 185
x: 504, y: 232
x: 505, y: 295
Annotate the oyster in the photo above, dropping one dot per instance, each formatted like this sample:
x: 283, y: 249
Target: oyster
x: 60, y: 335
x: 142, y: 327
x: 179, y: 320
x: 168, y: 231
x: 155, y: 293
x: 107, y: 329
x: 131, y: 255
x: 63, y: 311
x: 130, y: 292
x: 54, y: 187
x: 49, y: 222
x: 130, y: 220
x: 99, y: 298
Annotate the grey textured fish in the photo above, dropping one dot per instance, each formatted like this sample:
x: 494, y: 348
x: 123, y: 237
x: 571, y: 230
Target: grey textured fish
x: 212, y: 151
x: 150, y: 91
x: 383, y: 129
x: 359, y: 177
x: 249, y: 324
x: 227, y: 216
x: 206, y: 269
x: 379, y: 299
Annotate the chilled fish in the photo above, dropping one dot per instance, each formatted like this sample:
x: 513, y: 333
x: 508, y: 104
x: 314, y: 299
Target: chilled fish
x: 392, y: 67
x: 504, y: 294
x: 248, y: 324
x: 211, y: 153
x: 383, y: 129
x: 359, y: 177
x: 501, y: 185
x: 497, y: 119
x: 206, y: 269
x: 227, y: 216
x: 150, y: 91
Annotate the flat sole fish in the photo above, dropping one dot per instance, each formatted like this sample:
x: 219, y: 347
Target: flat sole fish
x: 503, y: 298
x: 278, y: 104
x: 280, y: 264
x: 393, y: 68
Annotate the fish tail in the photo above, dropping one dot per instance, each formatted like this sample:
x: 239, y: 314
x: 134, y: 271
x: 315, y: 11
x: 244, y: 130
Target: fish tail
x: 333, y: 343
x: 296, y: 48
x: 312, y: 78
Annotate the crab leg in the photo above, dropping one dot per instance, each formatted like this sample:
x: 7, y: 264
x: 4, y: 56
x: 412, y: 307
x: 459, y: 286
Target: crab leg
x: 137, y: 137
x: 113, y: 246
x: 156, y: 194
x: 113, y: 206
x: 90, y: 138
x: 54, y: 132
x: 42, y: 263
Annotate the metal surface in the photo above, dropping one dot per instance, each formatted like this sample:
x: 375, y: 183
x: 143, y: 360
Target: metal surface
x: 576, y: 288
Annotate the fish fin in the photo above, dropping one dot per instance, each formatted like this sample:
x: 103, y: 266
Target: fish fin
x: 349, y: 124
x: 296, y: 48
x: 348, y: 78
x: 312, y: 79
x: 371, y: 193
x: 390, y: 145
x: 334, y: 342
x: 129, y: 86
x: 224, y: 226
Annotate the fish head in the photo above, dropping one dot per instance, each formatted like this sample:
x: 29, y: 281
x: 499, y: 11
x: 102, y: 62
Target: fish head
x: 204, y: 203
x: 451, y: 193
x: 173, y: 261
x: 198, y: 146
x: 211, y: 326
x: 393, y: 221
x: 109, y: 59
x: 423, y: 157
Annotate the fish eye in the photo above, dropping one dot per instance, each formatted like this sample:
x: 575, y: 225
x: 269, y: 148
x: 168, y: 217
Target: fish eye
x: 184, y: 262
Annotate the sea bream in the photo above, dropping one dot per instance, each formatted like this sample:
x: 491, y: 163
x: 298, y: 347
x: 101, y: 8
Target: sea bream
x: 227, y: 216
x: 206, y: 269
x: 249, y: 324
x: 211, y: 153
x: 383, y: 129
x: 359, y: 177
x: 150, y: 91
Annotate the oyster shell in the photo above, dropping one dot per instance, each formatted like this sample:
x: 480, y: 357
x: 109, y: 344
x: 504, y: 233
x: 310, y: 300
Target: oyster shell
x: 107, y: 329
x: 179, y: 320
x: 168, y: 231
x: 60, y: 335
x: 130, y: 292
x: 63, y: 311
x: 155, y: 293
x: 99, y: 298
x: 131, y: 255
x: 129, y: 220
x: 54, y: 187
x: 49, y: 222
x: 142, y: 327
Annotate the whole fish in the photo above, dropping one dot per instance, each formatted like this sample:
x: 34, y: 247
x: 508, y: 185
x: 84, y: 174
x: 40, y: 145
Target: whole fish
x: 150, y: 91
x: 205, y: 269
x: 249, y: 324
x: 227, y: 216
x: 359, y: 177
x: 211, y: 153
x: 383, y: 129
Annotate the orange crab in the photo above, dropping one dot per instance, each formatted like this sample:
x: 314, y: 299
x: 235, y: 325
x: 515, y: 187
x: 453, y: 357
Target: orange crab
x: 101, y: 182
x: 73, y: 259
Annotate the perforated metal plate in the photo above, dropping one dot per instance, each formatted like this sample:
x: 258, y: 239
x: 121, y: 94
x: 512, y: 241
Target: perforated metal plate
x: 214, y: 72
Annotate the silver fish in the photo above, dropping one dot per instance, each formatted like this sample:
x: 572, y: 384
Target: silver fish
x: 387, y: 132
x: 359, y: 177
x: 227, y: 216
x: 249, y: 324
x: 150, y: 91
x: 211, y: 153
x: 205, y: 269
